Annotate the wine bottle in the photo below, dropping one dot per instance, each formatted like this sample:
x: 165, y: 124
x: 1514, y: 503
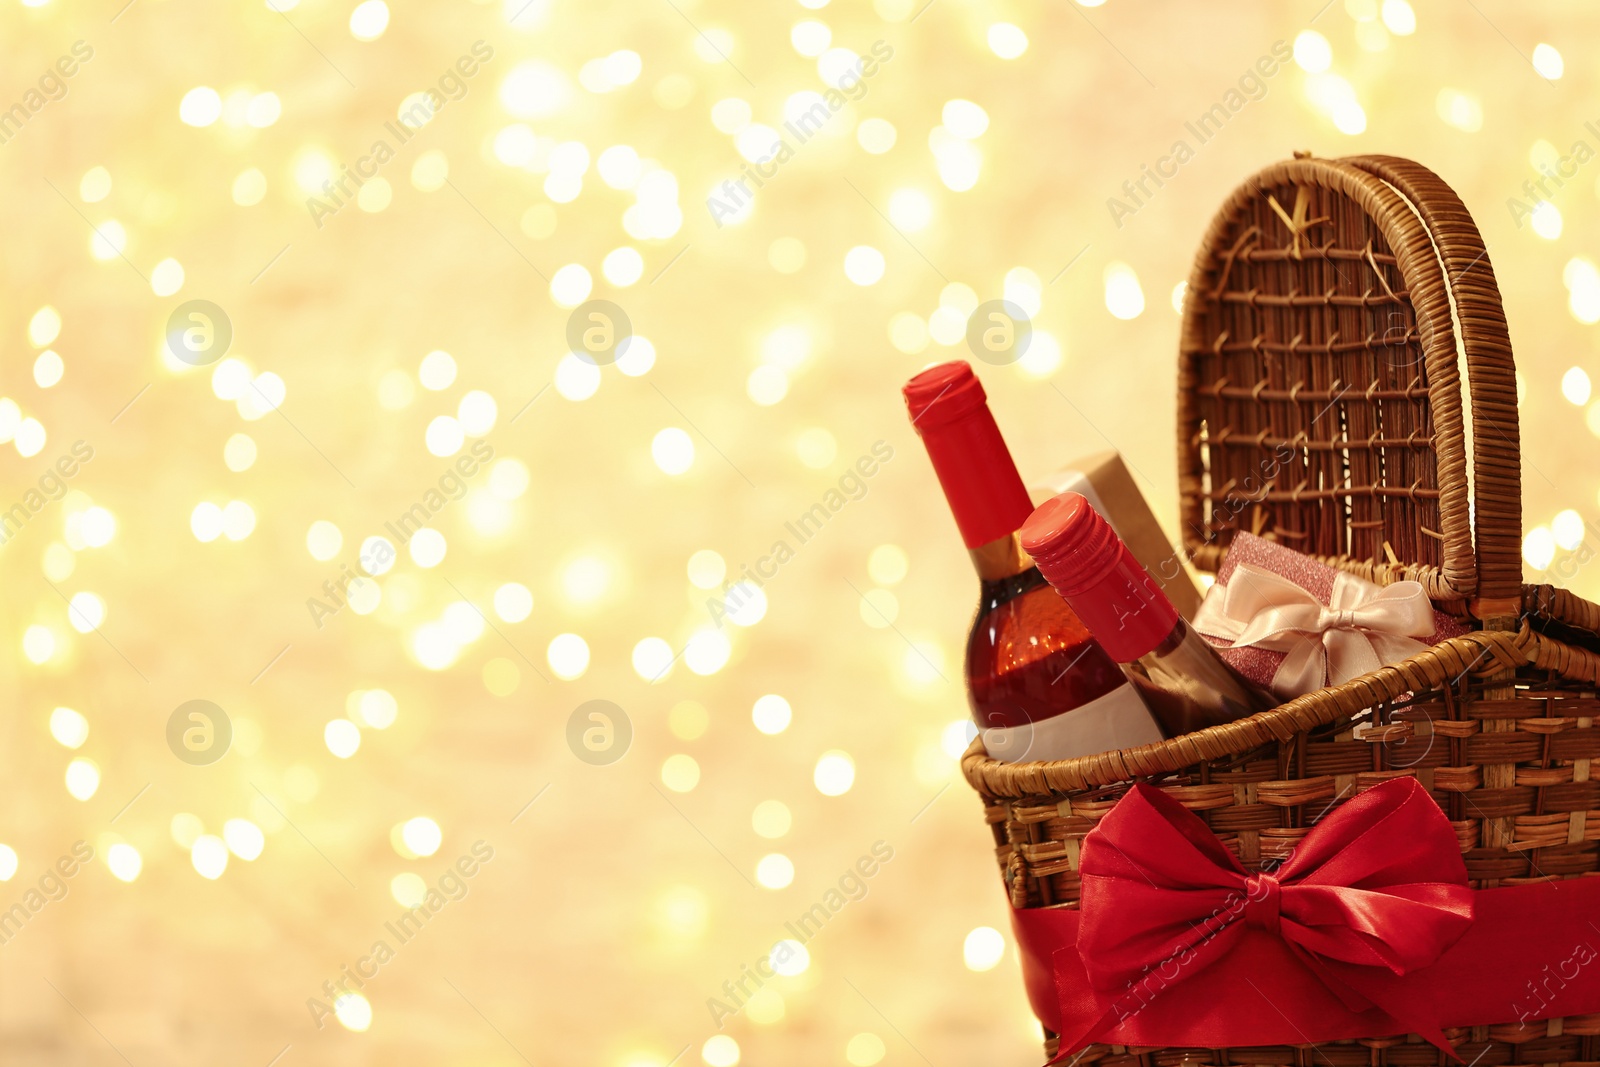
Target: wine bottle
x: 1039, y: 685
x: 1182, y: 679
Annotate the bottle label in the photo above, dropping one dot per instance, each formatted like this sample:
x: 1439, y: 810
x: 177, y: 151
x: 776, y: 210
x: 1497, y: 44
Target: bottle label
x: 1119, y: 719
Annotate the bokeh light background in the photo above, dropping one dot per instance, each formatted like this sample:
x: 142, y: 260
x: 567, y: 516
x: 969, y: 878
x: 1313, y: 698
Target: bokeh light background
x: 426, y: 318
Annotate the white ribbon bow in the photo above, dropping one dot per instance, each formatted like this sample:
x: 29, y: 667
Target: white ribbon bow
x: 1363, y: 627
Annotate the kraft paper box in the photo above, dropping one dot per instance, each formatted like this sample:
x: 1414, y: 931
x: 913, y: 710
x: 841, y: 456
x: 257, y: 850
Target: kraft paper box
x: 1103, y: 479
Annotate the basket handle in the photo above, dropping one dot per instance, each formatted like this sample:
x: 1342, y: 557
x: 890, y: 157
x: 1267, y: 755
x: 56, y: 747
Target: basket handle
x: 1491, y: 382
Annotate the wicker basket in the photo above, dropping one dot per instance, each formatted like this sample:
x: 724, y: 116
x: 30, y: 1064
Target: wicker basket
x: 1333, y: 307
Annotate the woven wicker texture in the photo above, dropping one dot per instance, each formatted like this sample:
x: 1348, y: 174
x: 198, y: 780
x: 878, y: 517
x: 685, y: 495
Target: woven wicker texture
x: 1332, y: 309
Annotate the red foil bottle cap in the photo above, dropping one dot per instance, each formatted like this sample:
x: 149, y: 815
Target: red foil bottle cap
x: 950, y: 412
x: 1079, y: 553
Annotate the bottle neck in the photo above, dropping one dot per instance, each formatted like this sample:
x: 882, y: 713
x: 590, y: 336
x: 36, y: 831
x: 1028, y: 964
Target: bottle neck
x: 979, y: 478
x: 1000, y: 559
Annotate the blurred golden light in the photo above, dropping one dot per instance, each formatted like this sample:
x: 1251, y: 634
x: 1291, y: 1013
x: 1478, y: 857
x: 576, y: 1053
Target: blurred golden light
x: 688, y: 720
x: 910, y: 209
x: 864, y: 1050
x: 720, y: 1050
x: 1043, y: 356
x: 48, y: 369
x: 680, y: 773
x: 427, y: 547
x: 86, y: 611
x: 571, y: 285
x: 378, y: 708
x: 95, y: 185
x: 238, y: 520
x: 434, y: 647
x: 706, y: 569
x: 38, y: 643
x: 774, y: 871
x: 577, y: 378
x: 342, y: 737
x: 124, y: 861
x: 908, y: 332
x: 353, y: 1011
x: 508, y: 478
x: 375, y: 195
x: 684, y: 911
x: 1567, y: 529
x: 707, y: 651
x: 673, y: 450
x: 1399, y: 17
x: 887, y: 564
x: 534, y: 89
x: 730, y: 115
x: 422, y: 836
x: 264, y: 110
x: 408, y: 889
x: 513, y: 602
x: 186, y: 828
x: 790, y: 958
x: 1575, y: 386
x: 771, y: 819
x: 463, y: 621
x: 444, y: 436
x: 771, y: 714
x: 44, y: 327
x: 243, y: 838
x: 568, y: 656
x: 1007, y: 40
x: 209, y: 855
x: 1539, y: 547
x: 108, y: 240
x: 622, y: 266
x: 1546, y: 220
x: 166, y: 277
x: 983, y: 948
x: 8, y: 863
x: 200, y: 106
x: 810, y: 37
x: 1547, y: 61
x: 59, y: 562
x: 29, y: 439
x: 652, y: 659
x: 835, y: 773
x: 923, y: 663
x: 964, y: 119
x: 323, y: 540
x: 864, y: 265
x: 586, y: 579
x: 69, y: 727
x: 437, y: 370
x: 956, y: 736
x: 1124, y: 296
x: 249, y: 187
x: 430, y: 171
x: 767, y: 385
x: 816, y: 447
x: 369, y: 20
x: 714, y: 45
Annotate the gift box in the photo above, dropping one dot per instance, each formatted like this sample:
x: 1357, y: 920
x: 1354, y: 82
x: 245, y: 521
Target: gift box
x: 1294, y: 625
x: 1105, y: 481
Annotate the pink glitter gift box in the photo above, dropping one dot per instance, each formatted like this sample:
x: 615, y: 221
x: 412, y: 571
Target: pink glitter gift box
x: 1261, y: 665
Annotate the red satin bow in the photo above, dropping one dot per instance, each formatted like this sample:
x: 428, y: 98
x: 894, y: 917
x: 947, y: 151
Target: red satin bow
x: 1376, y: 889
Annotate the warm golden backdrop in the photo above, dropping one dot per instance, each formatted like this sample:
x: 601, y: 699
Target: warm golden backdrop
x: 572, y: 152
